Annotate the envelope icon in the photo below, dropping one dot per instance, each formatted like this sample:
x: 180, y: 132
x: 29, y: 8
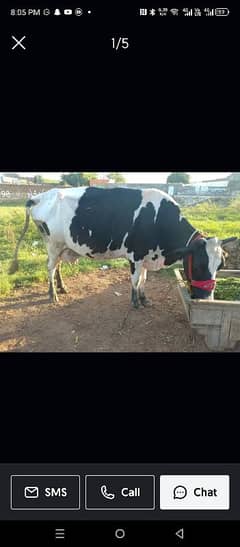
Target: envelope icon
x: 31, y: 492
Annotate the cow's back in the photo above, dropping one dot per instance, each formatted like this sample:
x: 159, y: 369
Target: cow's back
x: 98, y: 221
x: 107, y: 220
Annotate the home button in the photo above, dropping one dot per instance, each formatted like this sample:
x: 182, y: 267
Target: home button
x: 120, y: 533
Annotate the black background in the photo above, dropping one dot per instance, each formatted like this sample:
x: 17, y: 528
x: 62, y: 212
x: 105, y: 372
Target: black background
x: 71, y: 103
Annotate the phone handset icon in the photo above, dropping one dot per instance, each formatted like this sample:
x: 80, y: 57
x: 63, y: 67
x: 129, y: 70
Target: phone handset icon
x: 106, y: 494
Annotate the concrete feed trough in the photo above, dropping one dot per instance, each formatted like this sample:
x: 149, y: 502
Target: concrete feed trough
x: 217, y: 320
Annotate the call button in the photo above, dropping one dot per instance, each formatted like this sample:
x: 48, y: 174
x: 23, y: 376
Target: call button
x: 119, y: 492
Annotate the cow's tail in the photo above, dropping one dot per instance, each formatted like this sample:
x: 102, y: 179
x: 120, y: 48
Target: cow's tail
x: 14, y: 265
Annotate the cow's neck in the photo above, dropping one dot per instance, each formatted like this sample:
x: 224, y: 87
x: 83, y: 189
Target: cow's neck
x: 186, y: 232
x: 178, y: 235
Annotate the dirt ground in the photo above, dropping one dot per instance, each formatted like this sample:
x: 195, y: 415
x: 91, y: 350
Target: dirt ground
x: 96, y: 316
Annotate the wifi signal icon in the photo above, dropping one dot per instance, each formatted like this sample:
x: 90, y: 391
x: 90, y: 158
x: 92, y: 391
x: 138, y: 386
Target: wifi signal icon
x: 174, y: 11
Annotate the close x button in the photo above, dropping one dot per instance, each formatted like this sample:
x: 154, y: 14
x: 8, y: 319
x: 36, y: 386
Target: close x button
x: 45, y: 492
x: 119, y: 492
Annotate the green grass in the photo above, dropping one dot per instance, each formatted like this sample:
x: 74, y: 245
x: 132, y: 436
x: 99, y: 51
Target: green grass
x: 227, y: 289
x: 51, y: 181
x: 215, y: 220
x: 13, y: 203
x: 210, y: 218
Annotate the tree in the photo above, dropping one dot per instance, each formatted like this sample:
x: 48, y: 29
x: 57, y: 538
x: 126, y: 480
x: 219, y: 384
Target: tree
x: 89, y: 176
x: 75, y: 179
x: 175, y: 178
x: 234, y: 182
x: 116, y: 177
x: 38, y: 179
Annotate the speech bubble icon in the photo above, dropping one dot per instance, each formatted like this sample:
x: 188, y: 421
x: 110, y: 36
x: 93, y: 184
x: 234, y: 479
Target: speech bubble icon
x: 179, y: 492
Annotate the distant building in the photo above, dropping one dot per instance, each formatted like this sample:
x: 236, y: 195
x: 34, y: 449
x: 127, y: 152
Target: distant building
x: 198, y: 189
x: 12, y: 178
x: 215, y: 182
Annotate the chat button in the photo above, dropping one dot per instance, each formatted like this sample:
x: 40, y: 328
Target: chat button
x: 179, y: 492
x: 194, y: 492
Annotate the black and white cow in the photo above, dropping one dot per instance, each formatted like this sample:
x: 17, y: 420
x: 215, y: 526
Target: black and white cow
x: 144, y: 226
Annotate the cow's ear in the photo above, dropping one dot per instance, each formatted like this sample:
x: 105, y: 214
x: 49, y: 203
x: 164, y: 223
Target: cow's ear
x: 228, y: 240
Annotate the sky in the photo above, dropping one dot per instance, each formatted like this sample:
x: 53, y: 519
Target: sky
x: 139, y: 178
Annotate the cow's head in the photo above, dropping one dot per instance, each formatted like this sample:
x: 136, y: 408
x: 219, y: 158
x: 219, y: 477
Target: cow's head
x: 201, y: 261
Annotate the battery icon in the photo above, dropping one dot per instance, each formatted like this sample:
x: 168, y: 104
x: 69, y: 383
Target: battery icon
x: 222, y: 11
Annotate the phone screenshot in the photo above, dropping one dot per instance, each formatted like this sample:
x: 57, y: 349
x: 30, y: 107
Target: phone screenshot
x: 119, y: 275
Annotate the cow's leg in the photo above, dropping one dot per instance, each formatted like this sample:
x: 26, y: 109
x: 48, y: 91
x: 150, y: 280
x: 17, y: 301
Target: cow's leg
x: 60, y: 284
x: 143, y: 300
x: 53, y: 258
x: 135, y: 275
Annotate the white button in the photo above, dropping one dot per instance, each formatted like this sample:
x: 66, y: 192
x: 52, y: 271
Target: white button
x: 120, y: 533
x: 197, y: 492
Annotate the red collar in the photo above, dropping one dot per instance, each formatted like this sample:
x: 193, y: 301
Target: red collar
x: 208, y: 284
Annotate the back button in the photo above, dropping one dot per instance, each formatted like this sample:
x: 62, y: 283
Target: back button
x: 180, y: 533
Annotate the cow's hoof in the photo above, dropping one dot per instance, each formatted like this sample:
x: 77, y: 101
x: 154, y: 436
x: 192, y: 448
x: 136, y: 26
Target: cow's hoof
x: 62, y: 290
x: 135, y: 305
x: 145, y: 302
x: 54, y: 298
